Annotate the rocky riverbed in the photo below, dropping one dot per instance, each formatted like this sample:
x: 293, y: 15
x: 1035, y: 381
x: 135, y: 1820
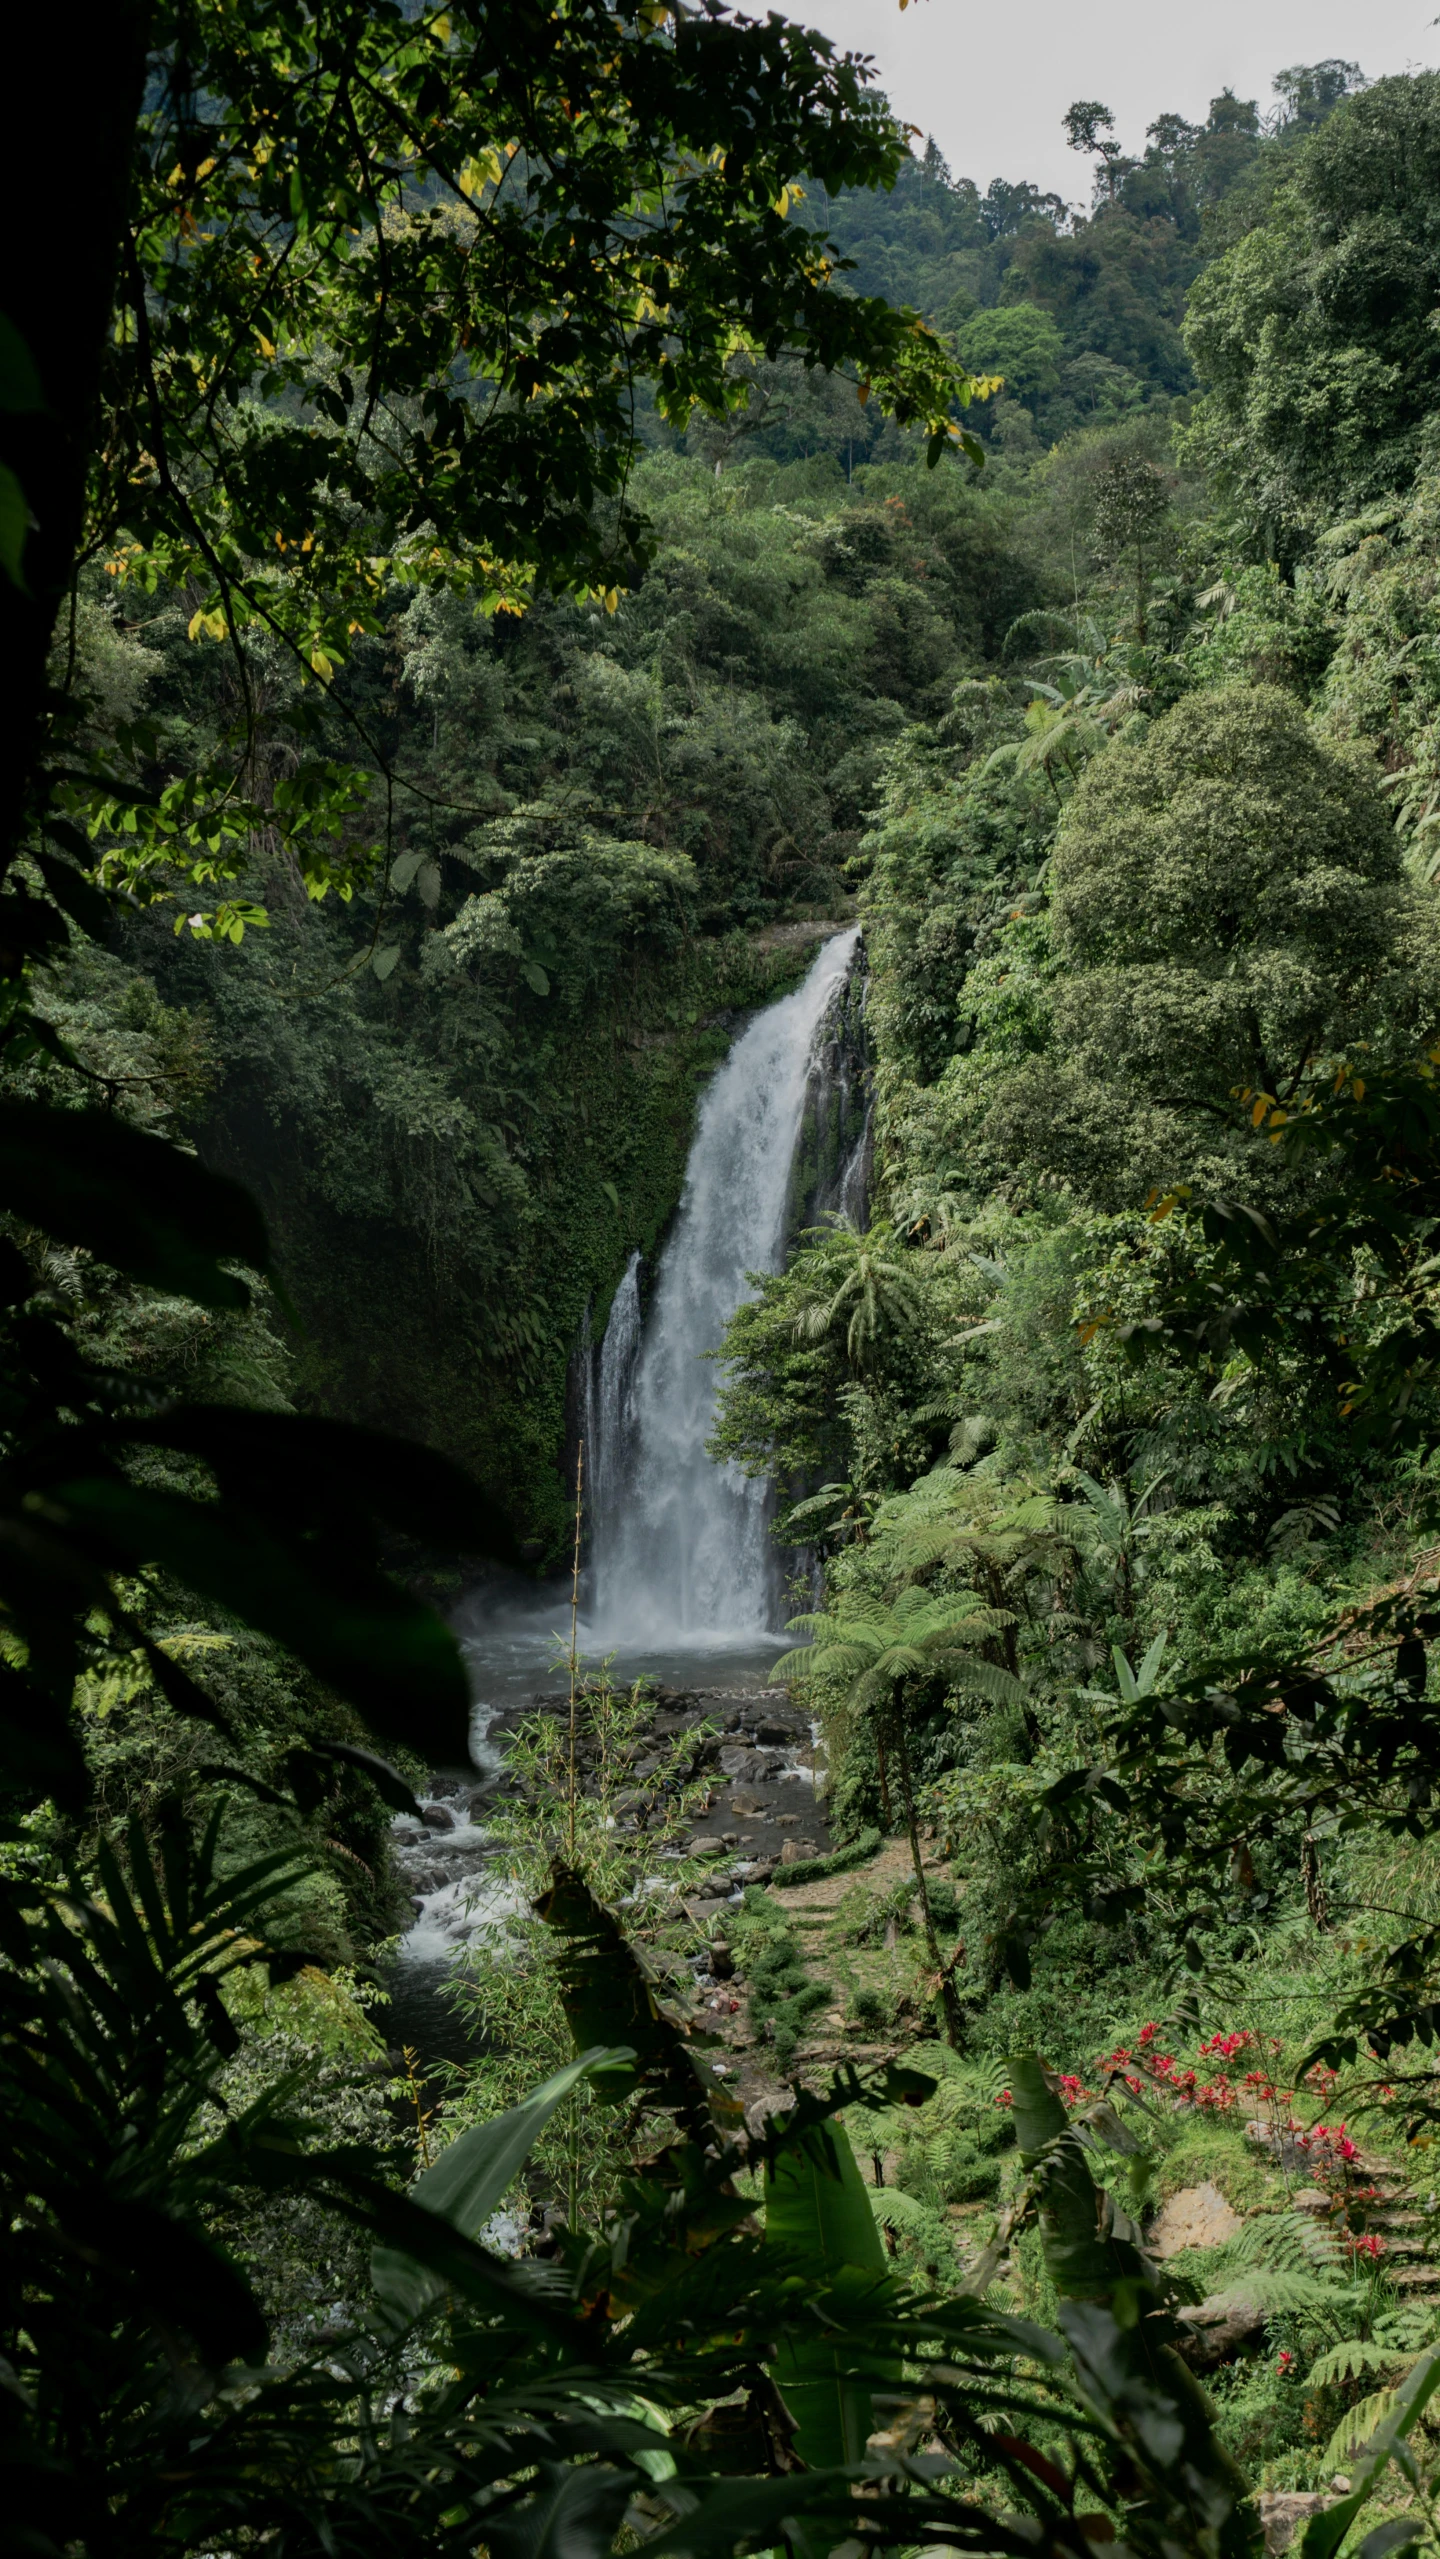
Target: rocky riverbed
x: 763, y: 1804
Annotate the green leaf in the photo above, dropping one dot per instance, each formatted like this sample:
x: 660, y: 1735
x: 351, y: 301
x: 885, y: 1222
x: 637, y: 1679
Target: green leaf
x: 20, y: 387
x: 14, y: 528
x: 85, y: 905
x: 574, y: 2512
x: 403, y: 870
x: 471, y: 2178
x: 40, y: 1753
x: 135, y: 1201
x: 354, y: 1628
x: 388, y: 1783
x: 1397, y: 2535
x: 383, y: 962
x: 535, y: 977
x: 1325, y: 2532
x: 310, y: 1469
x: 1038, y: 2112
x: 609, y: 1999
x: 188, y: 2280
x: 723, y: 2515
x: 611, y: 1193
x: 818, y: 2219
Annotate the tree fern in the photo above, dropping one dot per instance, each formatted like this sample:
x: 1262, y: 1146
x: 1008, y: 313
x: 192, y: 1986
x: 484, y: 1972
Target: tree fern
x: 1346, y: 2362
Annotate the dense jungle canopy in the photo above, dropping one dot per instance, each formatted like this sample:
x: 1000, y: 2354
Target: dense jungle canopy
x: 515, y: 524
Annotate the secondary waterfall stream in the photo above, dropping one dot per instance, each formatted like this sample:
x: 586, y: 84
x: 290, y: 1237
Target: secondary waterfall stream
x: 683, y: 1579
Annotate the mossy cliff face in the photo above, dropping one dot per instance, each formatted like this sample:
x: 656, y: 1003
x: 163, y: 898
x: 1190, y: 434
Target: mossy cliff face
x: 455, y: 1164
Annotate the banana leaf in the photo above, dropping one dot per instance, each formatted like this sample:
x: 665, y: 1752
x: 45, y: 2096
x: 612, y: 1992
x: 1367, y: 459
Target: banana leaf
x: 818, y: 2217
x: 469, y: 2180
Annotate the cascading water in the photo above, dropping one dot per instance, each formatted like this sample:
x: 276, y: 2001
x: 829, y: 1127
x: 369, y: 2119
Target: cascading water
x: 681, y: 1561
x: 681, y: 1549
x: 613, y: 1375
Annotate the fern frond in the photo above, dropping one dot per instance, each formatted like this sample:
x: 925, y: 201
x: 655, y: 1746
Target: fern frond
x: 895, y: 2210
x: 1346, y: 2362
x: 1272, y: 2289
x: 1356, y: 2427
x: 1286, y: 2240
x: 985, y: 1680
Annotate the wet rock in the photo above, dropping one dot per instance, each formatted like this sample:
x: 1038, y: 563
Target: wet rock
x: 437, y: 1817
x: 748, y: 1764
x: 1198, y: 2217
x: 409, y: 1834
x: 722, y: 1962
x: 701, y: 1905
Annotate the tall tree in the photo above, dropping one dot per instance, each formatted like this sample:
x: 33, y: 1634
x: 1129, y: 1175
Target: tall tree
x: 390, y: 290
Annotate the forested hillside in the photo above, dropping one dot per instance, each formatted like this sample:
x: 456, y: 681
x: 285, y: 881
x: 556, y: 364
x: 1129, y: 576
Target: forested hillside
x: 564, y: 511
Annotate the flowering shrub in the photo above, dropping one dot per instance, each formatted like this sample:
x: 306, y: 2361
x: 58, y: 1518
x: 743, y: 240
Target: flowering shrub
x: 1144, y: 2063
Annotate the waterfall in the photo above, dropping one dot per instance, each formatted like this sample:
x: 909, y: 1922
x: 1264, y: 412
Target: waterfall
x: 608, y: 1401
x: 681, y: 1545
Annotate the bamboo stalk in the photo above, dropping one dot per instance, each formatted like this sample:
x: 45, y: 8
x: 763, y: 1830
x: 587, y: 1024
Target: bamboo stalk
x: 574, y: 1617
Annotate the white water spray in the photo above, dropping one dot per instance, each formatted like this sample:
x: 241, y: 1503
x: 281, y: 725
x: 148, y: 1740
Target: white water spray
x: 681, y: 1545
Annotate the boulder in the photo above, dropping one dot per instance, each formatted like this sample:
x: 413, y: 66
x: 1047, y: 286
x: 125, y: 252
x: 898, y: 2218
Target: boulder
x: 437, y: 1817
x: 738, y: 1762
x: 1216, y: 2329
x: 1198, y: 2217
x: 1284, y: 2513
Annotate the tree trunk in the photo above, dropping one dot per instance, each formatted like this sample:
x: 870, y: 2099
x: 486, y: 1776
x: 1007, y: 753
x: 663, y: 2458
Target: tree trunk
x: 886, y: 1814
x: 75, y: 91
x: 1317, y: 1900
x: 954, y: 2024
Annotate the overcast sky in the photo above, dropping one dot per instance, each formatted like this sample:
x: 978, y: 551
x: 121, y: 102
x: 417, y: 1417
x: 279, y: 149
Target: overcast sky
x: 992, y: 83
